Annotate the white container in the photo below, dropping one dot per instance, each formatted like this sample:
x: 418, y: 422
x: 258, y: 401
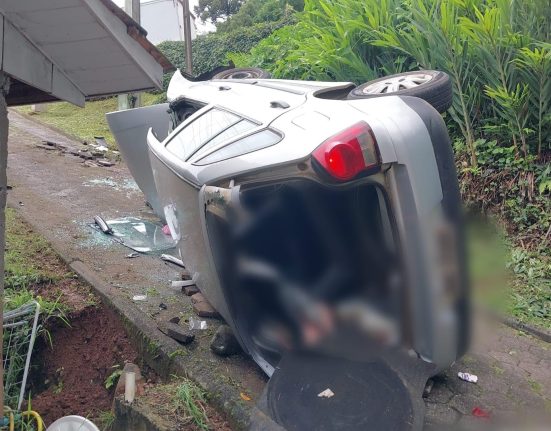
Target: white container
x: 129, y: 386
x: 72, y: 423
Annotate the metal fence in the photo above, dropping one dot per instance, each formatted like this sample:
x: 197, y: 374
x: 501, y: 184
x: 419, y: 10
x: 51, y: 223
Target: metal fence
x: 20, y: 327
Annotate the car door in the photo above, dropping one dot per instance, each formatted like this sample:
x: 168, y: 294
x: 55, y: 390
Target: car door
x: 130, y: 129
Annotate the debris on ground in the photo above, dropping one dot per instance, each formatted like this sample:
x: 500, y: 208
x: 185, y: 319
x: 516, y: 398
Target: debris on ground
x: 46, y: 147
x: 90, y: 164
x: 132, y: 255
x: 179, y: 333
x: 102, y: 224
x: 244, y: 396
x: 188, y: 282
x: 139, y: 297
x: 163, y: 306
x: 139, y: 235
x: 467, y: 377
x: 479, y: 413
x: 94, y: 155
x: 166, y: 229
x: 105, y: 163
x: 101, y: 144
x: 224, y: 342
x: 202, y: 307
x: 177, y: 284
x: 172, y: 259
x: 328, y: 393
x: 190, y: 290
x: 195, y: 323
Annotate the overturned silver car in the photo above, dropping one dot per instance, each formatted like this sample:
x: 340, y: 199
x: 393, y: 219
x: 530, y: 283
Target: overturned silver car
x: 306, y: 207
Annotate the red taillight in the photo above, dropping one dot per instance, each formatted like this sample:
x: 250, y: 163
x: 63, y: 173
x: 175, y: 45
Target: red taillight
x: 348, y: 153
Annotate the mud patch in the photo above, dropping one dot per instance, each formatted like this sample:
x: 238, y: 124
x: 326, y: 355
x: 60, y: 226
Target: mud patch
x: 69, y: 378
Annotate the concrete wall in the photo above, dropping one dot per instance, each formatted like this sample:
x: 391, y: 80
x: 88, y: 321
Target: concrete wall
x: 163, y: 20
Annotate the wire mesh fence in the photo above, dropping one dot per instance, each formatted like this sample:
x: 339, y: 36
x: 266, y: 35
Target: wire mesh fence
x: 20, y: 327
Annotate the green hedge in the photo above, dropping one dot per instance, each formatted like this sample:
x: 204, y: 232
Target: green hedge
x: 211, y: 50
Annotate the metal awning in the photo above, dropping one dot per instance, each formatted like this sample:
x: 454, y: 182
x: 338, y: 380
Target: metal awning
x: 73, y: 50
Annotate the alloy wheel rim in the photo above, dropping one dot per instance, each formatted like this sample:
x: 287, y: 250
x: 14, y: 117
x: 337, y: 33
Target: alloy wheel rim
x: 397, y: 83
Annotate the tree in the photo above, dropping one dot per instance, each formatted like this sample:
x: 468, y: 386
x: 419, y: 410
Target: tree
x: 259, y: 11
x: 214, y: 10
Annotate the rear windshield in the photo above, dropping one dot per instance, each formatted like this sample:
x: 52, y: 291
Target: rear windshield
x: 208, y: 126
x: 257, y: 141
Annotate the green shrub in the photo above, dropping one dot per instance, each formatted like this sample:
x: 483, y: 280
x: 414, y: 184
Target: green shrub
x: 496, y: 52
x: 211, y: 50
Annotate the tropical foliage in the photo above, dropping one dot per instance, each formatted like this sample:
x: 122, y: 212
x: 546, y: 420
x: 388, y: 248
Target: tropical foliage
x: 496, y: 52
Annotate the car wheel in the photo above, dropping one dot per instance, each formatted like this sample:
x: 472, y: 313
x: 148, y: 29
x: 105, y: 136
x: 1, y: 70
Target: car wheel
x: 243, y: 73
x: 433, y: 86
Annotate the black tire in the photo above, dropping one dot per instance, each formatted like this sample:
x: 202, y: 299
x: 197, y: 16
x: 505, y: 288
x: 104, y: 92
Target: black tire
x: 437, y: 90
x: 243, y: 73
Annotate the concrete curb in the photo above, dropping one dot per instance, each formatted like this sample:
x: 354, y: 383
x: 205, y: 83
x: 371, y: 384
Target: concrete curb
x: 157, y: 349
x: 132, y: 417
x: 540, y: 333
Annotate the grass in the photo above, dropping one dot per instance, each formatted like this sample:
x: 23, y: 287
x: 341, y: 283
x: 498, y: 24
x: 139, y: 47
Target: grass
x: 83, y: 123
x: 182, y: 401
x: 105, y: 420
x: 30, y: 263
x: 23, y: 247
x: 34, y: 272
x: 190, y: 399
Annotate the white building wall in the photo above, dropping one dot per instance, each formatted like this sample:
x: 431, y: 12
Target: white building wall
x: 164, y: 20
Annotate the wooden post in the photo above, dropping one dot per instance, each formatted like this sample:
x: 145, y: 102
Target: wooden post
x: 187, y: 36
x: 4, y: 129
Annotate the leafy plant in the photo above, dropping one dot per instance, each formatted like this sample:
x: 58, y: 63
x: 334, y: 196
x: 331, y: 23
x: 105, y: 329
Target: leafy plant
x: 434, y: 37
x: 112, y: 378
x: 512, y: 106
x: 535, y: 68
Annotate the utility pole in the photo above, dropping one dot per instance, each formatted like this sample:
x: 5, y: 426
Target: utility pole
x: 187, y: 36
x: 4, y: 127
x: 132, y: 100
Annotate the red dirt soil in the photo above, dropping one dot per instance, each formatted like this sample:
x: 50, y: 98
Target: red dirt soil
x: 75, y: 370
